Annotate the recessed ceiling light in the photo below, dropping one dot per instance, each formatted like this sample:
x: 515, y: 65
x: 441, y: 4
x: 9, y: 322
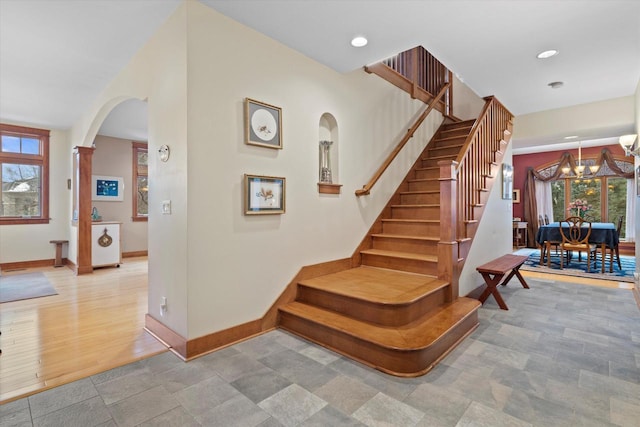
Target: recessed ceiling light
x: 555, y: 85
x: 547, y: 54
x: 571, y: 137
x: 359, y: 41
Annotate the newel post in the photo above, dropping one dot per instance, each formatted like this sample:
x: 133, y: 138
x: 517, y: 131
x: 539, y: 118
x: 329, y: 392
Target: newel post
x: 448, y: 244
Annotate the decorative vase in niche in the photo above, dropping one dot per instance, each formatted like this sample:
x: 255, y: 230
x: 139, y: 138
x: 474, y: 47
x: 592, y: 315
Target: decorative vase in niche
x: 325, y: 162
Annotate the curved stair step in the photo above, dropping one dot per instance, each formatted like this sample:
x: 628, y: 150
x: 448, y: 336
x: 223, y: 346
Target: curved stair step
x: 408, y: 350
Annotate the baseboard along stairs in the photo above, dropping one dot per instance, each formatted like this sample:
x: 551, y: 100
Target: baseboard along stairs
x: 391, y: 311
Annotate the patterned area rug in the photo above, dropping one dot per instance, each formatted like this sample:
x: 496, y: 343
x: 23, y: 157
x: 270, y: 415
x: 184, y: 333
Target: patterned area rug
x: 575, y: 268
x: 17, y: 287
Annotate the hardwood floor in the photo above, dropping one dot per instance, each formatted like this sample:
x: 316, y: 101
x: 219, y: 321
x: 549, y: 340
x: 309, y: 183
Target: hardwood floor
x: 95, y: 323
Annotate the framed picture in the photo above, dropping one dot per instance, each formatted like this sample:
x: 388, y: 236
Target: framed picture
x: 107, y: 188
x: 638, y: 181
x: 262, y: 124
x: 264, y: 195
x: 507, y: 181
x: 516, y: 195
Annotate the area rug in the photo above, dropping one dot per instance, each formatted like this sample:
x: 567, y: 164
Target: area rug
x: 17, y: 287
x: 575, y: 268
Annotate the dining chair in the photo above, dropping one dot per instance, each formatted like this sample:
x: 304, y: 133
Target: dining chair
x: 540, y: 221
x: 546, y: 219
x: 547, y: 243
x: 575, y: 239
x: 616, y: 248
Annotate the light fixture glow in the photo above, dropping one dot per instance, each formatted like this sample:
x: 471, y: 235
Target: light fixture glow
x: 571, y: 137
x: 547, y: 54
x: 359, y: 41
x: 627, y: 141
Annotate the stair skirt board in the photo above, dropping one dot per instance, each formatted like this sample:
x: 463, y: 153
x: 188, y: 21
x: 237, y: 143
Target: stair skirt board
x: 393, y: 361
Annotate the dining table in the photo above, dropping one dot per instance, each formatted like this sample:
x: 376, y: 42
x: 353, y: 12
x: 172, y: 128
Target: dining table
x: 603, y: 234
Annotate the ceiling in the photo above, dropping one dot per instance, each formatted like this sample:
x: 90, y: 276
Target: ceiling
x: 56, y: 56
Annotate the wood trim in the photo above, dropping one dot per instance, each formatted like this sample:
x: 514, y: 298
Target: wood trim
x: 215, y: 341
x: 41, y: 160
x: 366, y: 189
x: 21, y: 265
x: 84, y: 157
x: 326, y: 188
x: 133, y: 254
x: 167, y: 335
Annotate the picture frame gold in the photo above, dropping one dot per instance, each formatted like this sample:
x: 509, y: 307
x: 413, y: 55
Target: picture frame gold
x: 264, y: 195
x: 262, y: 124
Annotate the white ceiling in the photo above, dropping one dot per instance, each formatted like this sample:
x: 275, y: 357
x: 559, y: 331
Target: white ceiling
x: 57, y: 55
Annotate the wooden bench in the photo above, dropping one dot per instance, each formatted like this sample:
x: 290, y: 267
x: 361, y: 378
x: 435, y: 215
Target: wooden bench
x: 498, y: 268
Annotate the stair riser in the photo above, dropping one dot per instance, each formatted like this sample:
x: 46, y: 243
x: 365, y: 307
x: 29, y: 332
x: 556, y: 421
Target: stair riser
x: 463, y: 131
x: 427, y: 173
x: 402, y: 264
x: 429, y: 163
x: 425, y: 247
x: 403, y: 363
x: 420, y: 198
x: 448, y: 140
x: 380, y: 314
x: 411, y: 228
x: 424, y: 185
x: 402, y: 212
x: 444, y: 151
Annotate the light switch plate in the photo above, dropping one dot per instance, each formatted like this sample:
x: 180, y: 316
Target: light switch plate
x: 166, y: 207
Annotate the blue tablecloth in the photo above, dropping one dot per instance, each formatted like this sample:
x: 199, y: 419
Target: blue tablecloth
x: 601, y: 232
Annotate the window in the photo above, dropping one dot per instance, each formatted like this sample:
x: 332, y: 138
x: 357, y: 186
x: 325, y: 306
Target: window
x: 24, y: 173
x: 141, y: 182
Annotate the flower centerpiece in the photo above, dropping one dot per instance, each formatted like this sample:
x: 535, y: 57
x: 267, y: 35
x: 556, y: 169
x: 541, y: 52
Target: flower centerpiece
x: 579, y: 207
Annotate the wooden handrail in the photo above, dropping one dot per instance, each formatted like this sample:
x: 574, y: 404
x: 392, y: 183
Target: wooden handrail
x: 477, y: 158
x: 366, y: 189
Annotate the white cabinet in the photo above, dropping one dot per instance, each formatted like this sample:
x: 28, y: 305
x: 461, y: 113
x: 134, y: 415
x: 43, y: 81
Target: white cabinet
x: 105, y: 244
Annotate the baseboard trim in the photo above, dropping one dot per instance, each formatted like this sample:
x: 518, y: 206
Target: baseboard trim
x: 134, y: 254
x: 190, y: 349
x: 20, y: 265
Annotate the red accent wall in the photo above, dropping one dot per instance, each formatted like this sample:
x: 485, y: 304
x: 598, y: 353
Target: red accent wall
x: 523, y: 161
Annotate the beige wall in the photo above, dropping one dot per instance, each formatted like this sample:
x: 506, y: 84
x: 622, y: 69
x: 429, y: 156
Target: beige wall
x: 113, y: 157
x: 637, y: 163
x: 31, y: 242
x: 466, y: 103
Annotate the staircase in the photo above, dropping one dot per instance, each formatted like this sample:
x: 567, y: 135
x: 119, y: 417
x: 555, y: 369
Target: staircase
x: 392, y: 312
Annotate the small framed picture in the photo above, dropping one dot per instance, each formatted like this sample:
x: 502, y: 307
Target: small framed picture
x: 263, y: 124
x: 516, y: 195
x: 638, y: 181
x: 264, y: 195
x: 107, y: 188
x: 507, y: 181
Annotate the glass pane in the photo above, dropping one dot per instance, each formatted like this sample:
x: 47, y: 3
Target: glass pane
x: 30, y: 146
x: 586, y: 192
x: 617, y: 201
x: 143, y: 196
x: 20, y: 190
x: 142, y: 158
x: 557, y: 195
x: 10, y: 144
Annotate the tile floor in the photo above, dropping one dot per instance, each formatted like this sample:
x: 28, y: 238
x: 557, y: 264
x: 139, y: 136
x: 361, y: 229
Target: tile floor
x: 563, y: 355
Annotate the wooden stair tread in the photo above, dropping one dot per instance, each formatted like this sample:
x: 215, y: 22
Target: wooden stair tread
x: 420, y: 205
x: 416, y: 335
x: 410, y: 237
x: 447, y: 157
x: 396, y: 254
x: 377, y: 285
x: 419, y: 192
x: 410, y: 220
x: 425, y: 180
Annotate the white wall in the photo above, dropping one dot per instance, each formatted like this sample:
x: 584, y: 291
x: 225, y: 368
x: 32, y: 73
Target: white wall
x: 30, y: 242
x: 113, y: 157
x: 466, y: 103
x: 637, y: 163
x: 238, y: 265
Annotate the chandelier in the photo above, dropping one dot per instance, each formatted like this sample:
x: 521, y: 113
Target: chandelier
x: 578, y: 171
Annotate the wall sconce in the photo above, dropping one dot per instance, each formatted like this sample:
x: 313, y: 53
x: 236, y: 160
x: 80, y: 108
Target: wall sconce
x: 627, y: 141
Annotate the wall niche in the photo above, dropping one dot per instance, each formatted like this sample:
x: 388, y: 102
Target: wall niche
x: 328, y: 159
